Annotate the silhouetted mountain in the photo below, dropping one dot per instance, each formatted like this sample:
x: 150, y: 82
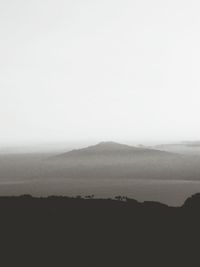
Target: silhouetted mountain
x: 112, y: 149
x: 61, y: 231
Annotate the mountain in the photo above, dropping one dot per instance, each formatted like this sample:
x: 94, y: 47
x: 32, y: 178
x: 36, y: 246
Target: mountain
x: 110, y: 160
x: 110, y: 149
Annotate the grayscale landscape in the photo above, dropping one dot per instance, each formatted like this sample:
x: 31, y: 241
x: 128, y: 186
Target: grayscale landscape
x: 99, y: 133
x: 106, y: 169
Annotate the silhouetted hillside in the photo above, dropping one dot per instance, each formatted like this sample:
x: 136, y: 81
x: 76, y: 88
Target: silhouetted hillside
x: 61, y: 231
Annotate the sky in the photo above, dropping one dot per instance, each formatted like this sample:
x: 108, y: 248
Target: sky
x: 76, y: 71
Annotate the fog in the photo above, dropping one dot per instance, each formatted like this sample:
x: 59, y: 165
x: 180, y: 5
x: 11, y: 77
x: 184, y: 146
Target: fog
x: 80, y: 72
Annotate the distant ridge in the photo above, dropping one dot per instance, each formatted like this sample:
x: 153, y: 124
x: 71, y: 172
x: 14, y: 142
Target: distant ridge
x: 184, y: 148
x: 191, y: 143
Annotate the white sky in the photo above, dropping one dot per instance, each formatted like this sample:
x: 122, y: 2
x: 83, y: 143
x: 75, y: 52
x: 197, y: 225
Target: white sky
x: 89, y: 71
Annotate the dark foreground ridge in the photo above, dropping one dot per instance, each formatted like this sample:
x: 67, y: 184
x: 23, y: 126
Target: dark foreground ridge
x: 61, y: 231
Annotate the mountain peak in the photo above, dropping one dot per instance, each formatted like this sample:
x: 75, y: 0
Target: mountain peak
x: 104, y: 148
x: 110, y: 145
x: 107, y: 143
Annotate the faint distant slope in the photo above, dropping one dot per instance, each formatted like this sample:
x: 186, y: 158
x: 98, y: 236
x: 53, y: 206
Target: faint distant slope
x: 192, y: 143
x: 185, y: 148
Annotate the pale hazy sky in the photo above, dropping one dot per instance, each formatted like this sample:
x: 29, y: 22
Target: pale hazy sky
x: 88, y: 70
